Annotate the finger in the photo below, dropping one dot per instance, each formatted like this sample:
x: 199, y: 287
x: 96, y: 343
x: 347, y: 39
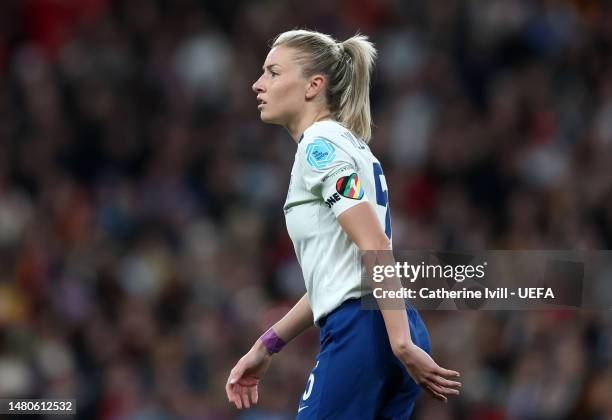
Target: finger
x: 237, y: 398
x: 446, y: 372
x: 436, y: 395
x: 230, y: 389
x: 234, y: 400
x: 253, y: 392
x: 446, y: 383
x: 230, y: 392
x: 244, y: 394
x: 443, y: 390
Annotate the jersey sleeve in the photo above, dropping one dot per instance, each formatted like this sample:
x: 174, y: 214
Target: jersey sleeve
x: 330, y: 173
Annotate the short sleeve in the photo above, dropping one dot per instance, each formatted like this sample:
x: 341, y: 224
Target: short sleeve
x: 331, y: 174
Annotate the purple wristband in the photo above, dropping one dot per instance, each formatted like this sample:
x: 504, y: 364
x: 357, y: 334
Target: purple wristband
x: 272, y: 342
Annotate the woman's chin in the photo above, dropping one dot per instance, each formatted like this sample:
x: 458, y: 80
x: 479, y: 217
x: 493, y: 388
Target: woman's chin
x: 267, y: 118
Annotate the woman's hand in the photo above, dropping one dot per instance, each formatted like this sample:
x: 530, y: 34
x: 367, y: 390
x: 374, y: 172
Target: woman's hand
x: 426, y: 372
x: 244, y: 377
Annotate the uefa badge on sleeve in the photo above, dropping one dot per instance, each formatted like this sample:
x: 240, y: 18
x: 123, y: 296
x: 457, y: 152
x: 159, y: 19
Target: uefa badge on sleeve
x: 320, y: 153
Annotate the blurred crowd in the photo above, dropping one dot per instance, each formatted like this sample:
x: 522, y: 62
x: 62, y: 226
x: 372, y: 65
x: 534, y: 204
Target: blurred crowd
x: 142, y: 240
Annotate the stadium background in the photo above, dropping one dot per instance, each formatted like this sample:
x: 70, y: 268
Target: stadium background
x: 142, y: 240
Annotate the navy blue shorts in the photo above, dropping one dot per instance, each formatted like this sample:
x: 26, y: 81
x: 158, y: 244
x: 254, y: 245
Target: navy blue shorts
x: 356, y: 375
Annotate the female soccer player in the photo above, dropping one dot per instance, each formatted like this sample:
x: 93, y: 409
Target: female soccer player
x: 371, y: 362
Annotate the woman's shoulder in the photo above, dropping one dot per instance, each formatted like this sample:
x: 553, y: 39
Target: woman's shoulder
x: 334, y: 134
x: 329, y: 130
x: 325, y: 126
x: 328, y: 141
x: 325, y: 138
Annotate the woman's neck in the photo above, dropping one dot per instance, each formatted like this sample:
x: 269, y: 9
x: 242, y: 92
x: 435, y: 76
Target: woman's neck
x: 296, y: 130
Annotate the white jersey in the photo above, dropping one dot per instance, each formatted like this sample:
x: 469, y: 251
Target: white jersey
x: 333, y: 171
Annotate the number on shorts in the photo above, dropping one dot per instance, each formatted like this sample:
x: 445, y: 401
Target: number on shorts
x: 310, y: 384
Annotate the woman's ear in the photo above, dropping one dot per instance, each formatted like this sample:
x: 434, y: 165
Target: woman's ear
x: 316, y: 85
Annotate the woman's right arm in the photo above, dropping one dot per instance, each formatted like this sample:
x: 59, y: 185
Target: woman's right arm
x: 361, y: 224
x: 244, y: 378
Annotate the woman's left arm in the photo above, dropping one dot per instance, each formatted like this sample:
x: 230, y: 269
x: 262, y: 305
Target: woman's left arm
x: 361, y: 224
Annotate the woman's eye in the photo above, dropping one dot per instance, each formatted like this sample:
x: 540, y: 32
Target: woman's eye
x: 274, y: 74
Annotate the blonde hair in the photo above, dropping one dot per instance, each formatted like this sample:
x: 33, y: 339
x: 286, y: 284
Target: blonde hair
x: 347, y: 67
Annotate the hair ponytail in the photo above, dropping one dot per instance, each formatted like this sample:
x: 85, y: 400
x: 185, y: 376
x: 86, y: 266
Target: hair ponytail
x: 347, y: 66
x: 354, y: 86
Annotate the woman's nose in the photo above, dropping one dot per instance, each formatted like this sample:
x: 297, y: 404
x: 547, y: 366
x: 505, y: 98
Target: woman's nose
x: 257, y: 87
